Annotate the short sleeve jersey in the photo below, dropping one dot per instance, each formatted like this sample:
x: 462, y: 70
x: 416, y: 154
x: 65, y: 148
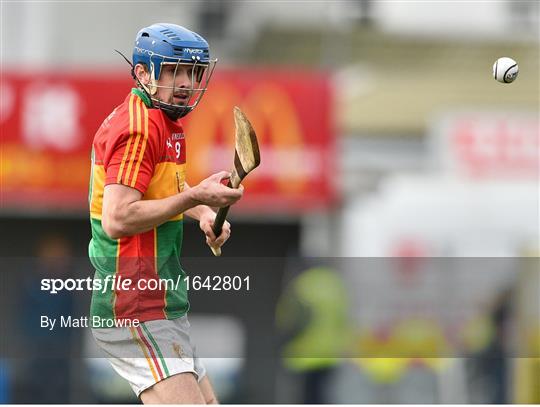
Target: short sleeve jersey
x: 138, y: 277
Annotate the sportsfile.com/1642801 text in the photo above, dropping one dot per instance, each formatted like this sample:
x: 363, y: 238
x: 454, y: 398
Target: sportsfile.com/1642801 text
x: 119, y: 283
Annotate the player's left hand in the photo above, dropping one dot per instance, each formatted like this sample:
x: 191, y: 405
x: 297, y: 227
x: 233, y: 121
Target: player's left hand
x: 206, y: 222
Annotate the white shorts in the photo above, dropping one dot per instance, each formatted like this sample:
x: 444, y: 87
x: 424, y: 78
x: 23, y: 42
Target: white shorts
x: 151, y: 352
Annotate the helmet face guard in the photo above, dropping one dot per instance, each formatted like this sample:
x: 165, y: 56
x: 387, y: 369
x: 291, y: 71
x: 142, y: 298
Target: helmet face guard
x: 199, y: 76
x: 163, y: 45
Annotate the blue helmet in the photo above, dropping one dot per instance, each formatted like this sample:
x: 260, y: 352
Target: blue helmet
x: 164, y: 43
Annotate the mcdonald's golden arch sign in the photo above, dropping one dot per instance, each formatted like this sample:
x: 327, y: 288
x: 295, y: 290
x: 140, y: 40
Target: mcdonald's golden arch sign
x: 292, y: 115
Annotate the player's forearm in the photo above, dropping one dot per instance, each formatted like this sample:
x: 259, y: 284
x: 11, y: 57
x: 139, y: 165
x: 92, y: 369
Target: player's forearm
x: 143, y: 215
x: 197, y: 211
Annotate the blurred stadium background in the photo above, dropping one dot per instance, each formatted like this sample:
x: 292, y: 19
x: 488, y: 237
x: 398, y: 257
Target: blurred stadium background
x: 383, y: 135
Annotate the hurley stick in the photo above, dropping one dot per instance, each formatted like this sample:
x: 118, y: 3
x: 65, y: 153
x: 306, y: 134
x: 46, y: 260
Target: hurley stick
x: 246, y: 158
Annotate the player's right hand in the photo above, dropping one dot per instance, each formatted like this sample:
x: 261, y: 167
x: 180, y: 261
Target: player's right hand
x: 212, y: 192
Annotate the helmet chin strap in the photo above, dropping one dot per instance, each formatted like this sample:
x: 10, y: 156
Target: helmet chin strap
x: 176, y: 112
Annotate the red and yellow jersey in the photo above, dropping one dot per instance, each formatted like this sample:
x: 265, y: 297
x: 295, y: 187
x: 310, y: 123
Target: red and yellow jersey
x: 142, y: 148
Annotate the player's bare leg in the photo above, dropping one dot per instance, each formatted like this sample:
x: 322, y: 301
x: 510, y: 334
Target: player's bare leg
x: 208, y: 391
x: 178, y: 389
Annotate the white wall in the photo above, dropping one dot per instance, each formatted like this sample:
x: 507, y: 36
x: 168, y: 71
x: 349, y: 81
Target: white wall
x: 85, y: 32
x: 448, y: 217
x: 454, y: 18
x: 54, y: 34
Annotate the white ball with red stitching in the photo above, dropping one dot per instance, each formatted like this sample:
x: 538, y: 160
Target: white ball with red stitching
x: 505, y: 70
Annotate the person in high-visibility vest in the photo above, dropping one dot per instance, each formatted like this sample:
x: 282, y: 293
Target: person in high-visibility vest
x: 313, y: 315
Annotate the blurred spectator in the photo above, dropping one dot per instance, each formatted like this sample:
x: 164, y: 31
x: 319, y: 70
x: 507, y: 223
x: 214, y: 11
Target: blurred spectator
x: 491, y: 366
x: 312, y: 316
x: 4, y: 383
x: 47, y: 352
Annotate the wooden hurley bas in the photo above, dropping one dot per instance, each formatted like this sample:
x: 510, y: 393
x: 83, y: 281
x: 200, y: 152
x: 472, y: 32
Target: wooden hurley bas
x: 246, y: 158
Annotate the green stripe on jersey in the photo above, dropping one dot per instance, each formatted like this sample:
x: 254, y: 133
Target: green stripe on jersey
x: 169, y: 241
x: 102, y: 252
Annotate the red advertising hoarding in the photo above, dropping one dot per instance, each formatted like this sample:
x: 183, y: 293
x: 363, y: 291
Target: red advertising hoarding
x: 489, y: 145
x: 48, y: 119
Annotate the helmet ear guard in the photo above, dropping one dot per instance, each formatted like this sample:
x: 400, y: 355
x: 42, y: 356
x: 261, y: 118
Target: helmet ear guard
x: 152, y: 89
x: 141, y: 85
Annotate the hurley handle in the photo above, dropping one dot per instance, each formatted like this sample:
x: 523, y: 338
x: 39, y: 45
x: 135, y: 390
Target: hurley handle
x: 234, y: 182
x: 218, y: 226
